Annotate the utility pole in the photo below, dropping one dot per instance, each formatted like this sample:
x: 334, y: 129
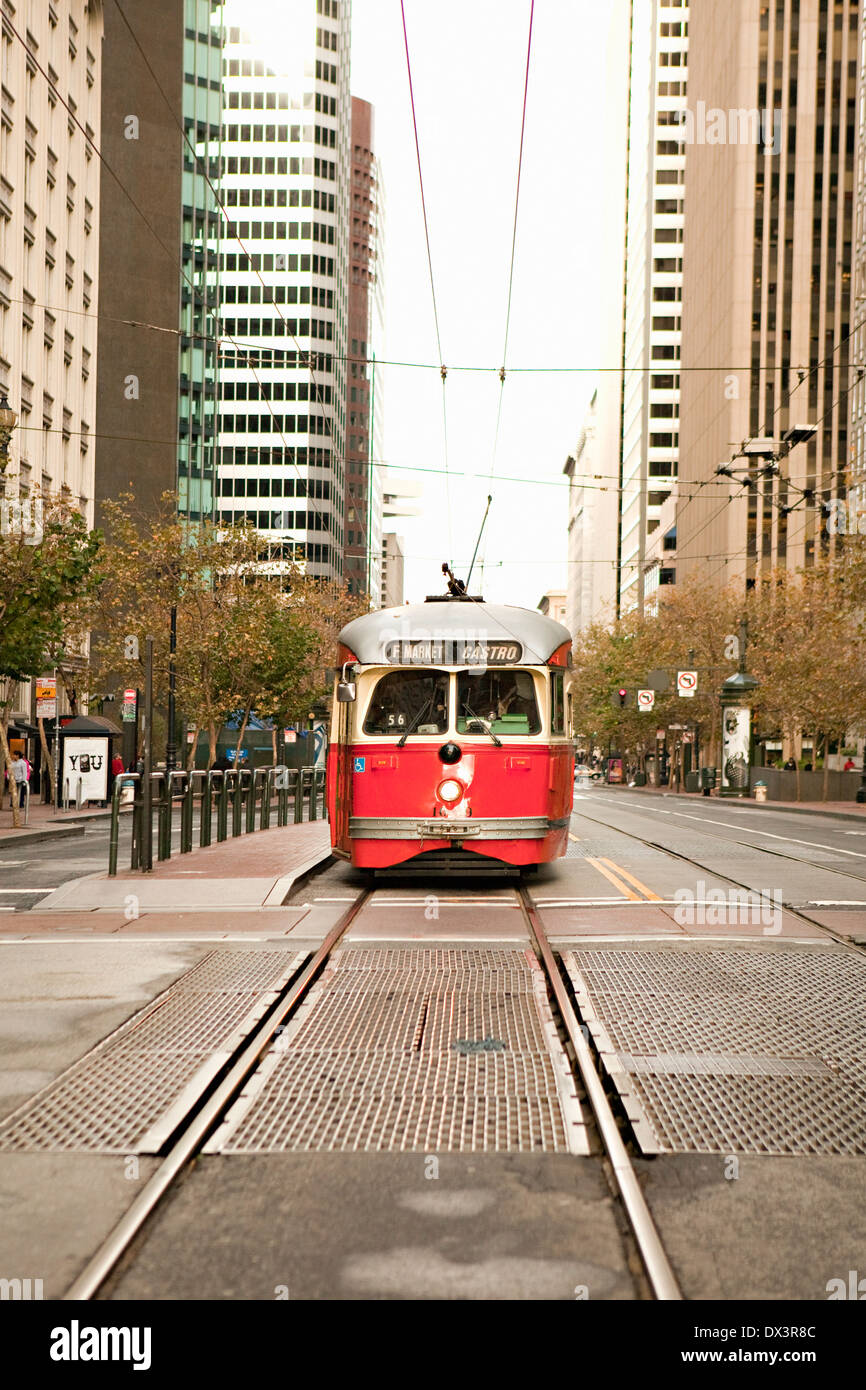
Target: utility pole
x: 147, y: 790
x: 58, y: 771
x: 171, y: 743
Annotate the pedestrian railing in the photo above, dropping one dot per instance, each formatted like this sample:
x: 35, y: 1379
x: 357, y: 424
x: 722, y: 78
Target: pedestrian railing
x: 239, y: 801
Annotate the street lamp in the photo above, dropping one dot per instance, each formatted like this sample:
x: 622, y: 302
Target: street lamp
x: 8, y: 421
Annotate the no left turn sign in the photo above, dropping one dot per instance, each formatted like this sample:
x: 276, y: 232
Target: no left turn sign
x: 687, y: 682
x: 646, y: 699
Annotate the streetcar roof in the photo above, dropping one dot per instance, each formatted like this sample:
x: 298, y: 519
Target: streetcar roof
x: 381, y: 638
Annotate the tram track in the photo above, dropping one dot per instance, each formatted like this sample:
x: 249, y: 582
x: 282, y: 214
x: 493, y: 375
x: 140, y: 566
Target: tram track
x: 203, y: 1122
x: 656, y: 1264
x: 207, y: 1117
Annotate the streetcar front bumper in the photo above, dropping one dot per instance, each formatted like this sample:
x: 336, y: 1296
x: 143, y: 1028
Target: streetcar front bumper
x: 442, y: 828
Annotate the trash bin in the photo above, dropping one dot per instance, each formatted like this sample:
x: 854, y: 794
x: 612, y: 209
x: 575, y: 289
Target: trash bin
x: 760, y: 791
x: 708, y: 779
x: 640, y: 779
x: 693, y: 781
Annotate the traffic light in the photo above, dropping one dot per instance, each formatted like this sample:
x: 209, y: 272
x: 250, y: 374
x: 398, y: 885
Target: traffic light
x: 621, y: 698
x: 623, y: 695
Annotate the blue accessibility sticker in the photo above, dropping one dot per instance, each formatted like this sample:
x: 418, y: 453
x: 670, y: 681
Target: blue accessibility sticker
x: 359, y: 764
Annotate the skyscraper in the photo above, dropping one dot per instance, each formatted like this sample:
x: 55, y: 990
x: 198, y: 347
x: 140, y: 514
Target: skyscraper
x: 632, y: 446
x: 158, y: 253
x: 652, y: 294
x: 49, y: 239
x: 364, y: 385
x: 284, y: 284
x: 767, y: 308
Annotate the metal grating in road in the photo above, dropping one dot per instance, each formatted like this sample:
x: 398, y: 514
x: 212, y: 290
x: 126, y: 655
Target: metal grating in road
x: 726, y: 1050
x: 407, y: 1050
x: 116, y: 1099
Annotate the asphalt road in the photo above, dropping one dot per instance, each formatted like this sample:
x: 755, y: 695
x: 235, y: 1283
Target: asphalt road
x: 782, y: 1223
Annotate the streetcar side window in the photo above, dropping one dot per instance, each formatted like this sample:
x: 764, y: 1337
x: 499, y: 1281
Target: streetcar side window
x: 504, y: 699
x: 557, y: 702
x: 409, y: 700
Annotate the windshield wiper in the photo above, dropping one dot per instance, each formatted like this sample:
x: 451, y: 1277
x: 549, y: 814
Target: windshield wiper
x: 484, y: 724
x: 422, y: 714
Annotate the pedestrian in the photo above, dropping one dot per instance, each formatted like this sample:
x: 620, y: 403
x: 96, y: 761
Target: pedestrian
x: 849, y: 766
x: 807, y: 767
x: 20, y: 775
x: 222, y: 764
x: 790, y: 766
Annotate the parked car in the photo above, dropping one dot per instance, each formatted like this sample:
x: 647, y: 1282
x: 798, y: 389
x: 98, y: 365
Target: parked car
x: 586, y: 773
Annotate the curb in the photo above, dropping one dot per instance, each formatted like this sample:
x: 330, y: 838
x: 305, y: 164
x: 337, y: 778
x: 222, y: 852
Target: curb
x: 283, y: 886
x: 31, y: 837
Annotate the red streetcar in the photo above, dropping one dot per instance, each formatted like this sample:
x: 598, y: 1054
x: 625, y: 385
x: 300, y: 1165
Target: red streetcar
x: 451, y: 727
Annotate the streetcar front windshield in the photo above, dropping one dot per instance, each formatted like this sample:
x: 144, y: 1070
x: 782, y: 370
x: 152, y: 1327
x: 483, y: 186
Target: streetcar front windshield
x: 503, y: 699
x: 409, y: 700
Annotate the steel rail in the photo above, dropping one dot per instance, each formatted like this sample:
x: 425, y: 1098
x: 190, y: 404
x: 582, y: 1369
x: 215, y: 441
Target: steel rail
x: 652, y: 1252
x: 98, y: 1268
x: 726, y: 878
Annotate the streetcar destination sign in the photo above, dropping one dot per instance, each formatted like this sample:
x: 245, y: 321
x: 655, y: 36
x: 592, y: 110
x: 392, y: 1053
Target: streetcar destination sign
x: 471, y: 652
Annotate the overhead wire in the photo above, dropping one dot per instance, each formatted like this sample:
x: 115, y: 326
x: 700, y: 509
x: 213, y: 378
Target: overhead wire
x: 502, y: 371
x: 397, y: 362
x: 443, y: 370
x: 746, y: 483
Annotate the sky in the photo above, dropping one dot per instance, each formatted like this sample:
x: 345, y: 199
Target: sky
x: 468, y: 60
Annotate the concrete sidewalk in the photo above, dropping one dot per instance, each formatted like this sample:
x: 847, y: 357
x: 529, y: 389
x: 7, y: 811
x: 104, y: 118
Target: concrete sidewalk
x: 840, y: 810
x: 235, y: 887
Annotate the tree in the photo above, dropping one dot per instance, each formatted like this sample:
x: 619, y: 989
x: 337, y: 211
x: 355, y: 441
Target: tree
x: 250, y: 633
x: 692, y: 625
x: 44, y: 579
x: 809, y: 655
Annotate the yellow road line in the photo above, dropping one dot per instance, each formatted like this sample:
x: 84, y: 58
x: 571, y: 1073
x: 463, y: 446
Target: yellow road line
x: 648, y: 892
x: 573, y: 837
x: 617, y: 883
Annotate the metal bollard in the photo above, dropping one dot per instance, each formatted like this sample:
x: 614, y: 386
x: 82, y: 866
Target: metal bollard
x: 260, y: 775
x: 281, y: 783
x: 222, y: 808
x: 236, y: 791
x: 313, y: 794
x: 163, y: 824
x: 267, y: 791
x: 186, y: 813
x: 251, y: 801
x: 298, y: 787
x: 205, y: 826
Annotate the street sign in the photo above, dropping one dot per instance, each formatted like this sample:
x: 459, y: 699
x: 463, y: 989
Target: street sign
x: 290, y: 735
x: 646, y: 699
x: 46, y: 697
x: 687, y: 682
x: 660, y: 735
x: 127, y: 709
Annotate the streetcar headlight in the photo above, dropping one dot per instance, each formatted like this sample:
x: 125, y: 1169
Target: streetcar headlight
x: 449, y: 790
